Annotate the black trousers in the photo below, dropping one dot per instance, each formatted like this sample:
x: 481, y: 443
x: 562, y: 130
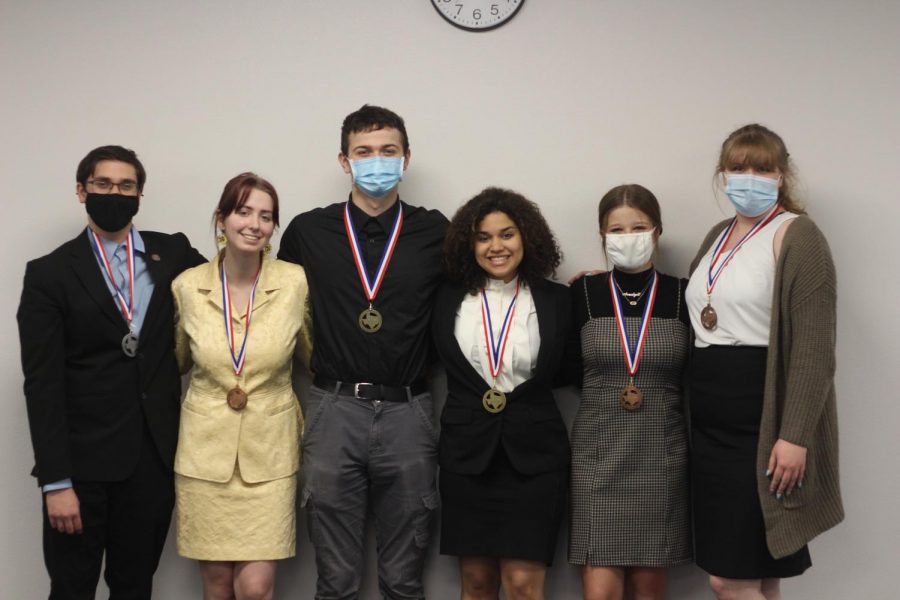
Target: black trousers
x: 127, y: 520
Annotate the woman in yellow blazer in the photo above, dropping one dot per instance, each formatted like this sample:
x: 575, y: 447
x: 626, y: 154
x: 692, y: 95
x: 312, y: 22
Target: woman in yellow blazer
x: 239, y: 321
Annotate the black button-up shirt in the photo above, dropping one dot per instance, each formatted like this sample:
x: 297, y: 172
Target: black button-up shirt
x: 397, y: 354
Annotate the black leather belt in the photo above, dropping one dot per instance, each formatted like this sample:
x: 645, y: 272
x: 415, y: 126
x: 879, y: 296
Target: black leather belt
x: 372, y: 391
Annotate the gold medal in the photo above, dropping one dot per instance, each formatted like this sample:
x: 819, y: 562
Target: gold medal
x: 493, y: 401
x: 631, y: 398
x: 708, y: 317
x: 370, y: 320
x: 237, y: 398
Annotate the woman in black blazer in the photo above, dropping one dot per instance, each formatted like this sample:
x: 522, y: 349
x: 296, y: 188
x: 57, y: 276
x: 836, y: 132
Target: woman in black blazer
x: 500, y: 329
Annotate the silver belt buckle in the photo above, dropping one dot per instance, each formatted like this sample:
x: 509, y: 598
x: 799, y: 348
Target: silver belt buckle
x: 356, y: 389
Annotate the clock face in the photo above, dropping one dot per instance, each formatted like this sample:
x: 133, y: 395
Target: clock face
x: 477, y: 15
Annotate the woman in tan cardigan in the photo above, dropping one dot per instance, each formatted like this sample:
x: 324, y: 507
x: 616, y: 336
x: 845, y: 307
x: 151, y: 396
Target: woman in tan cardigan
x: 763, y: 418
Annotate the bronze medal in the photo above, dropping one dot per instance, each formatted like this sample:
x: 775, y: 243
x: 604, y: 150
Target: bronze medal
x: 708, y: 317
x: 493, y: 401
x: 237, y: 398
x: 370, y: 320
x: 631, y: 398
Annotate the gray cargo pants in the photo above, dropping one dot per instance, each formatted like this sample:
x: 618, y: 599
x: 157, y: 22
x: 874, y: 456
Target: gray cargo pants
x: 360, y: 457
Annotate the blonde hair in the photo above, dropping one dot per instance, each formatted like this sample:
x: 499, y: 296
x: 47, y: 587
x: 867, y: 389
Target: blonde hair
x: 761, y: 148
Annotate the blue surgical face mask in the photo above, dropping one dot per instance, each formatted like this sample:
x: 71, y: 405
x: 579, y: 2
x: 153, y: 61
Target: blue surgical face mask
x: 751, y: 195
x: 378, y: 175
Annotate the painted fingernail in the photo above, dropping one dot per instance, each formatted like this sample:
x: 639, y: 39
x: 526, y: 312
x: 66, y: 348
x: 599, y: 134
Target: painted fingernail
x: 779, y: 496
x: 768, y: 472
x: 799, y: 484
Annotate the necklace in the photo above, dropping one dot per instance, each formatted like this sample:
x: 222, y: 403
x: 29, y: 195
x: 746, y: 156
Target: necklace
x: 632, y: 298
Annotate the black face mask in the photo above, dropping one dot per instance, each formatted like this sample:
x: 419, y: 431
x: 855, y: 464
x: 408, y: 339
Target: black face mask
x: 111, y: 212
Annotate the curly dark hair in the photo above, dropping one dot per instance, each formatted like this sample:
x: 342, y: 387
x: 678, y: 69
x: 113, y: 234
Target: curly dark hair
x: 541, y: 254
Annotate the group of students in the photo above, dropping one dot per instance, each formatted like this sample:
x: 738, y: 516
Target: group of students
x: 362, y: 291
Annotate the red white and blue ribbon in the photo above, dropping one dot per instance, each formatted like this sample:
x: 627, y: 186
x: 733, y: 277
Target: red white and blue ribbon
x: 371, y: 287
x: 631, y: 351
x: 713, y: 274
x: 496, y: 347
x: 126, y: 306
x: 237, y: 359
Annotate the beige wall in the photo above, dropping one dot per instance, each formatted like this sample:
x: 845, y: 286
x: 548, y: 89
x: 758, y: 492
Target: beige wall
x: 569, y: 99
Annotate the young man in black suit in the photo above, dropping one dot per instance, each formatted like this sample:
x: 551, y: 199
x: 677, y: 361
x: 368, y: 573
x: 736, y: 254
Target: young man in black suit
x: 102, y: 387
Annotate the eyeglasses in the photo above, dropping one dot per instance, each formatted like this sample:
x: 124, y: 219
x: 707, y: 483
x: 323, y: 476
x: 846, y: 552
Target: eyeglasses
x: 126, y: 186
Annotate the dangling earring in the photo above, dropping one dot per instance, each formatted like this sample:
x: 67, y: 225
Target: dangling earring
x: 267, y: 249
x: 221, y: 240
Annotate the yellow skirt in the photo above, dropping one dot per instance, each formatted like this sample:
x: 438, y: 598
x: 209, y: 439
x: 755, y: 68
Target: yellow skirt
x: 236, y: 521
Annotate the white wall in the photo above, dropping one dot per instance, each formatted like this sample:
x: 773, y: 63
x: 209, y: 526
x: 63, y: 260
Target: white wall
x: 564, y: 102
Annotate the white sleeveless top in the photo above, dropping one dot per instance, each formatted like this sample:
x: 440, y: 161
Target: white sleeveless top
x: 742, y: 297
x: 520, y: 358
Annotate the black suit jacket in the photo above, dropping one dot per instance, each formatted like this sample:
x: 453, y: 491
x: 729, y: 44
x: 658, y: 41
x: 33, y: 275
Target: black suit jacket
x: 531, y: 428
x: 86, y: 400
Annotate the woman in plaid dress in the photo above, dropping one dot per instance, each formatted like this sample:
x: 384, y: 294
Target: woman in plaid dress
x: 630, y: 516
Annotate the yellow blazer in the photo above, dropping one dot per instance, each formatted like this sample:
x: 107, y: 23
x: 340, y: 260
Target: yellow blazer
x: 264, y: 437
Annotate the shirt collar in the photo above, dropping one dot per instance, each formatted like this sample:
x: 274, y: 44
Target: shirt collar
x: 501, y: 286
x: 110, y: 246
x: 385, y: 219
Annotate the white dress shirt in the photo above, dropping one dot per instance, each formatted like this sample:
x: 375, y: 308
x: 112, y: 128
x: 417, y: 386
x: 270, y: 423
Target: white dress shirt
x: 521, y: 354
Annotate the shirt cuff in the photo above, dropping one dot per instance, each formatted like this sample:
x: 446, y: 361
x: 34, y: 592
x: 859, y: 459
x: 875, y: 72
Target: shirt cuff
x: 62, y: 484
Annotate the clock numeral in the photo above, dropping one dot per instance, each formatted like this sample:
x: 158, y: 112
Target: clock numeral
x: 485, y: 14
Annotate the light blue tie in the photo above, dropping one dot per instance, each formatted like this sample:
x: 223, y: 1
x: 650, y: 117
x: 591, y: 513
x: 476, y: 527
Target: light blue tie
x: 121, y: 270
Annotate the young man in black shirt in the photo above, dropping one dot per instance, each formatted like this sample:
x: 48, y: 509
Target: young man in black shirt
x: 373, y: 263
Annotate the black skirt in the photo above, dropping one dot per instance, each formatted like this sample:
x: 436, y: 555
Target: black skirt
x: 501, y: 513
x: 726, y: 402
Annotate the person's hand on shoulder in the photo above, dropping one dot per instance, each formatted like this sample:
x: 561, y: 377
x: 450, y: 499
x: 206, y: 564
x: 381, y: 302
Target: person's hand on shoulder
x: 581, y: 274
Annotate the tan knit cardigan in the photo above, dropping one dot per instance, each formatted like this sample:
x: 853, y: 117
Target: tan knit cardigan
x: 799, y: 400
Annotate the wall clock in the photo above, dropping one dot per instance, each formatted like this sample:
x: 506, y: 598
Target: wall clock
x: 477, y: 15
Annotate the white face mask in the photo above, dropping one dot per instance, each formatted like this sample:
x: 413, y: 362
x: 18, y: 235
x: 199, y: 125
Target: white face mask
x: 630, y: 250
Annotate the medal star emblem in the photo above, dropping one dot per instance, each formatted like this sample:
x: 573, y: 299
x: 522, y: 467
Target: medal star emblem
x: 494, y: 400
x: 631, y: 398
x: 130, y: 345
x: 370, y: 320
